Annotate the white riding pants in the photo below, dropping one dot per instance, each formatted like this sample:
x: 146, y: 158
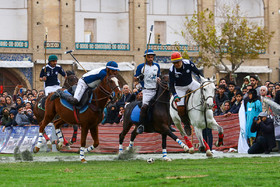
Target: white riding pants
x: 148, y: 95
x: 80, y: 90
x: 50, y: 89
x: 181, y: 91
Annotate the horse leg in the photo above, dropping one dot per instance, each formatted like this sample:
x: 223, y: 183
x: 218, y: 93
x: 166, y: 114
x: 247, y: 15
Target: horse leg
x: 176, y: 139
x: 164, y: 151
x: 94, y: 135
x: 47, y: 119
x: 132, y: 138
x: 57, y: 124
x: 84, y: 132
x: 126, y: 128
x: 215, y: 126
x: 202, y: 142
x: 49, y: 143
x: 74, y: 136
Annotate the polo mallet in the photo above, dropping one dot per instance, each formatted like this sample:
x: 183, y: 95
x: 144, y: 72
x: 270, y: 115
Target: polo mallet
x: 45, y: 45
x: 70, y: 52
x: 151, y: 30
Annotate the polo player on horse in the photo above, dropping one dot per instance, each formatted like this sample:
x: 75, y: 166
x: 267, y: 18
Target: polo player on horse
x: 92, y: 79
x: 49, y: 75
x: 180, y: 81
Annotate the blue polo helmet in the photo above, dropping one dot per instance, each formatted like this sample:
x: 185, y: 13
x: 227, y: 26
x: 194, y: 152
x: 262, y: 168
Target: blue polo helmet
x: 149, y: 52
x: 112, y: 65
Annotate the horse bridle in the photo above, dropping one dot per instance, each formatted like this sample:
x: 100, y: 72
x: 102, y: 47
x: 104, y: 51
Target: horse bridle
x: 165, y: 88
x: 106, y: 92
x: 203, y: 99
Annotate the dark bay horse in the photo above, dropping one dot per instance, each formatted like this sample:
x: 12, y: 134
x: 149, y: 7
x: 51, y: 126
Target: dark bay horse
x: 88, y: 120
x: 159, y: 123
x: 39, y: 112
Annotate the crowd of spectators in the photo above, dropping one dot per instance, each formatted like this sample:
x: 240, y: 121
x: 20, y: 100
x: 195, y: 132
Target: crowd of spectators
x: 17, y: 109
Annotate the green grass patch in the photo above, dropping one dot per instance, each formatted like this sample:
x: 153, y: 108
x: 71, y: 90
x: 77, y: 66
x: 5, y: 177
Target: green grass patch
x: 205, y: 172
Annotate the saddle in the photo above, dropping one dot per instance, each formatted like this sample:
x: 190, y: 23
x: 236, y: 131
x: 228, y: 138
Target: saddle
x: 64, y: 94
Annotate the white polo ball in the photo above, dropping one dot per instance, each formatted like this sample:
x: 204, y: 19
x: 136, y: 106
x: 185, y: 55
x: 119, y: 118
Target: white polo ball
x: 150, y: 160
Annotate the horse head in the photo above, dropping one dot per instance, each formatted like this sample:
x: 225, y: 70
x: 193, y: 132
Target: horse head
x: 163, y: 87
x: 70, y: 80
x: 111, y: 87
x: 207, y: 92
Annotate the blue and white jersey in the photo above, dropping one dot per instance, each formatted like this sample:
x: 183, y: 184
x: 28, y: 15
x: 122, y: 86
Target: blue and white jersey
x: 150, y: 75
x: 51, y: 74
x: 182, y: 76
x: 94, y: 77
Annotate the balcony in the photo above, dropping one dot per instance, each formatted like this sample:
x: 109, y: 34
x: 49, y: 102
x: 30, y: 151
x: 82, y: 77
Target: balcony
x: 14, y: 43
x: 102, y: 46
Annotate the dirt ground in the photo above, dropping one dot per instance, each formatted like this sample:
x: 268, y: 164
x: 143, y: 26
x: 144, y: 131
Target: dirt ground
x: 112, y: 157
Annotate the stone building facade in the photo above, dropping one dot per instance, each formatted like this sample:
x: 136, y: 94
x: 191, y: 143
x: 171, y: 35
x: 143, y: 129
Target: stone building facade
x: 102, y: 30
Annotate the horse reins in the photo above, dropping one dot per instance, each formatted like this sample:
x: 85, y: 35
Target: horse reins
x: 202, y: 96
x: 165, y: 88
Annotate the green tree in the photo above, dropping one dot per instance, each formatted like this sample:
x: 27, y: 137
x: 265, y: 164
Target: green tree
x: 233, y: 40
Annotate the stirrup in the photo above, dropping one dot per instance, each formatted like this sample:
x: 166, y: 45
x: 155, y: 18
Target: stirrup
x: 140, y: 129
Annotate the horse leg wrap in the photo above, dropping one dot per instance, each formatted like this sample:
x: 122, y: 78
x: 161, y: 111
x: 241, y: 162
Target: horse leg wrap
x: 65, y: 141
x: 206, y: 145
x: 164, y: 153
x: 182, y: 144
x: 82, y: 153
x: 40, y: 140
x: 59, y: 135
x: 188, y: 142
x: 90, y: 148
x: 221, y: 138
x: 74, y: 138
x: 46, y: 136
x: 131, y: 143
x: 120, y: 148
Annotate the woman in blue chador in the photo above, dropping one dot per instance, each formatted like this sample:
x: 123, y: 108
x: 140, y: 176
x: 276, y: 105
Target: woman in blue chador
x: 254, y: 107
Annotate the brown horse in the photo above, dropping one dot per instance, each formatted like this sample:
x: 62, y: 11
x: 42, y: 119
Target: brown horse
x: 88, y: 120
x: 39, y: 112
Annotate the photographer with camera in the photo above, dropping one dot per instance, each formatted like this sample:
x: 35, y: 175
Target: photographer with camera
x: 265, y: 139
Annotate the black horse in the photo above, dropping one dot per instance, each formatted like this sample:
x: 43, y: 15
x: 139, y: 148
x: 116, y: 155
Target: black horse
x: 159, y: 119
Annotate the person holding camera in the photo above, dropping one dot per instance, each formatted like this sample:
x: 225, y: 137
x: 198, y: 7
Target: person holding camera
x: 265, y: 139
x: 21, y: 118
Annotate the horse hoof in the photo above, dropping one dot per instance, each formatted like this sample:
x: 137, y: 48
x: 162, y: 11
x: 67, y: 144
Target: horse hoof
x: 191, y: 150
x: 59, y: 146
x: 36, y: 149
x: 84, y: 161
x: 208, y: 153
x: 167, y: 159
x: 49, y: 144
x: 68, y: 147
x: 218, y: 144
x: 70, y: 142
x: 186, y: 149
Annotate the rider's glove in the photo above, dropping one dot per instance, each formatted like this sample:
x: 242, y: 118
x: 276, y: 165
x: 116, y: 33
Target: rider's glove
x: 177, y: 98
x: 141, y: 77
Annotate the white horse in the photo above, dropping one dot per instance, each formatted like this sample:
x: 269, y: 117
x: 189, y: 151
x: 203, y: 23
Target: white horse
x: 199, y: 110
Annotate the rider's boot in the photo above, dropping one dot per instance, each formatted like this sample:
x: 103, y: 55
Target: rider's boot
x: 72, y: 100
x: 185, y: 119
x: 143, y: 119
